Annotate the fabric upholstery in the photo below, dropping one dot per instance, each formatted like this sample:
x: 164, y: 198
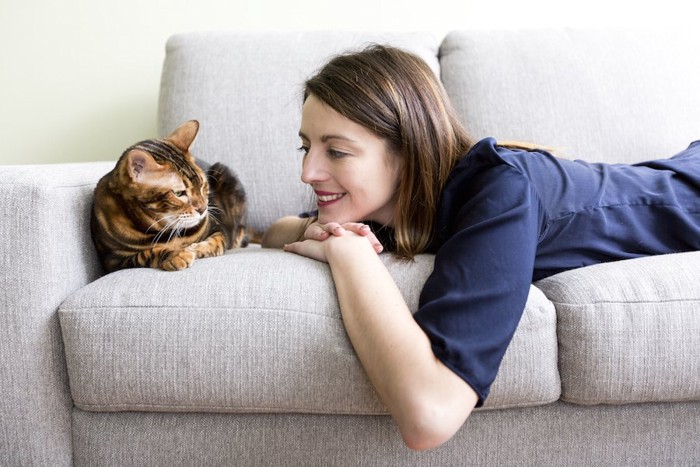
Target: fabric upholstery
x: 554, y: 435
x: 246, y: 91
x: 254, y: 330
x: 597, y: 95
x: 46, y: 253
x: 629, y: 331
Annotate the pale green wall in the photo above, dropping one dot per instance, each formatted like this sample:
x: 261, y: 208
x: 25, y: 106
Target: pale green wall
x: 79, y: 78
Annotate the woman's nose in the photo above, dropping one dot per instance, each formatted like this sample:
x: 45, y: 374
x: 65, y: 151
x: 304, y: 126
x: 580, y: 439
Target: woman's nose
x: 312, y: 168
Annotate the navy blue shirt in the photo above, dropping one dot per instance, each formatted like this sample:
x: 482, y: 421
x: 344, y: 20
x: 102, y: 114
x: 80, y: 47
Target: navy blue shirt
x: 508, y: 217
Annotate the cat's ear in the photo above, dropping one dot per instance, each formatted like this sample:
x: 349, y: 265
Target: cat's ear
x: 140, y: 164
x: 184, y: 135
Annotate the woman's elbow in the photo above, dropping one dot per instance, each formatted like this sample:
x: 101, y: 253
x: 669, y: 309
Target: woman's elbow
x: 424, y: 441
x: 432, y: 425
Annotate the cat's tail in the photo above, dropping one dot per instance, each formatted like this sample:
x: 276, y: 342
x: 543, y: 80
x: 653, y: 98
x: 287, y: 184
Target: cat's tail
x: 255, y: 236
x: 228, y: 203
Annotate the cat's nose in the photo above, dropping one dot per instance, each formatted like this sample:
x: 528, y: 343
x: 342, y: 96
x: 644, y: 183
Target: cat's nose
x: 201, y: 209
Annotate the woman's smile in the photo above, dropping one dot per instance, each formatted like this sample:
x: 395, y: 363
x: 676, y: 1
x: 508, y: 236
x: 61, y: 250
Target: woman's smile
x: 325, y: 198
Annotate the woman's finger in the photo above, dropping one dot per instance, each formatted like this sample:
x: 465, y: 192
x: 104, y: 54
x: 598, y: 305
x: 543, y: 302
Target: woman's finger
x: 309, y: 248
x: 358, y: 228
x: 315, y: 231
x: 334, y: 228
x: 318, y: 231
x: 364, y: 231
x: 378, y: 247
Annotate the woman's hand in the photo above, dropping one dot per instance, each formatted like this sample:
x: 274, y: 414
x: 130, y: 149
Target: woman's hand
x: 316, y: 234
x: 322, y: 232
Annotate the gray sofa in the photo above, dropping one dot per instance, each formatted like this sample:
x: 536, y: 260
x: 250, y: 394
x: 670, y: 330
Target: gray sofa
x: 243, y: 359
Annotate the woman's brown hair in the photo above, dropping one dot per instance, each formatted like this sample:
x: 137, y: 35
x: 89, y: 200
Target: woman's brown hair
x: 397, y: 96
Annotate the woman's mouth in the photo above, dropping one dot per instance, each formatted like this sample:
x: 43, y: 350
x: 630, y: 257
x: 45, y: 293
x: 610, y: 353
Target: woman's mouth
x: 326, y: 198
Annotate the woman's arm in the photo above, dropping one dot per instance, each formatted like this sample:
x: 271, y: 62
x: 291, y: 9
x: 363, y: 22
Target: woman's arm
x: 428, y: 402
x: 285, y: 230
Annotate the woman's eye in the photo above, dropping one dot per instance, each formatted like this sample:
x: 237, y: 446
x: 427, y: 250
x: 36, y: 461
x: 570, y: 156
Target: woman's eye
x: 332, y: 153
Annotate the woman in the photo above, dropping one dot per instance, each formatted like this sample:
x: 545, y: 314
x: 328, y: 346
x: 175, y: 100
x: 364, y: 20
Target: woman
x: 382, y: 147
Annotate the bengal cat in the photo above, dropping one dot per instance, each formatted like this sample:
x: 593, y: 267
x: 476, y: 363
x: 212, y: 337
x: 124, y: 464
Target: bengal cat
x: 158, y: 208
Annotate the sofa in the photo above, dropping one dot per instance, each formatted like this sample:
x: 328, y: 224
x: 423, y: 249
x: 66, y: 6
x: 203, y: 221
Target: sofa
x: 243, y: 360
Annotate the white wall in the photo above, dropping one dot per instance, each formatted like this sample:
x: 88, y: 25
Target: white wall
x: 79, y: 78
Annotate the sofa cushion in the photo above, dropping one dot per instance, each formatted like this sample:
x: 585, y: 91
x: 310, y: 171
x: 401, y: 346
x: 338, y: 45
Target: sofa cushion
x: 629, y: 331
x: 254, y: 331
x: 245, y: 88
x: 598, y: 95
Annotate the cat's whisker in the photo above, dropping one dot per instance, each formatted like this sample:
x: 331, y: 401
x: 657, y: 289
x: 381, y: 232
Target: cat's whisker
x: 151, y: 226
x: 170, y: 237
x: 157, y: 221
x: 215, y: 219
x: 214, y: 215
x: 159, y: 236
x: 171, y: 220
x: 180, y: 226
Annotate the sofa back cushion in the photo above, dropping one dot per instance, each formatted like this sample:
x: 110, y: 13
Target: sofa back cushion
x: 597, y: 95
x: 245, y: 89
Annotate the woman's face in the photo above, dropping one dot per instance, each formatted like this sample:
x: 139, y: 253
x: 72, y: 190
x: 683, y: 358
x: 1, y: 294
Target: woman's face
x: 354, y: 175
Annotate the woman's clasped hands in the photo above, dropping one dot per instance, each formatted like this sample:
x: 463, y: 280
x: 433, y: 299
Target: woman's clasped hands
x: 317, y: 236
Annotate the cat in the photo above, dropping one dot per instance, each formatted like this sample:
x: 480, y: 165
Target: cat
x: 158, y: 208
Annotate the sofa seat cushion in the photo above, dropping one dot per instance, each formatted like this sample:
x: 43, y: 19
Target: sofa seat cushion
x: 254, y: 330
x: 629, y: 331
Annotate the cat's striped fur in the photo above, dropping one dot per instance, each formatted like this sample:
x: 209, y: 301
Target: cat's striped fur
x: 157, y: 208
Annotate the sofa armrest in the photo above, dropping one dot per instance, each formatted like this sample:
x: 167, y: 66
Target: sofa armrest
x: 46, y: 253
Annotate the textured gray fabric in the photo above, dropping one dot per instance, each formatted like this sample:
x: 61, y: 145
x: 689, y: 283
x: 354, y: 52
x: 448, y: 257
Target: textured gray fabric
x: 598, y: 95
x: 529, y: 373
x: 555, y: 435
x: 46, y: 253
x: 245, y: 89
x: 254, y: 330
x: 629, y: 331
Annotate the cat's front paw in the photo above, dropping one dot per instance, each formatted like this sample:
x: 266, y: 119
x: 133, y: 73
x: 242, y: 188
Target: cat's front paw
x: 178, y: 260
x: 214, y: 245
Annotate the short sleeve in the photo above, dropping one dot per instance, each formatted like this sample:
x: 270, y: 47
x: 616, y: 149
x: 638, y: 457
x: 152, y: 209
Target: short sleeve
x: 472, y: 302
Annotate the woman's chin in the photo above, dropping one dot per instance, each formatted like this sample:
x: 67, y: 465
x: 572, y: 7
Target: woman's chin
x: 325, y: 218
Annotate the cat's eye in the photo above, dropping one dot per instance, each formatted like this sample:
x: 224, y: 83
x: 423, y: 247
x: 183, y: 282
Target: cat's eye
x: 179, y: 193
